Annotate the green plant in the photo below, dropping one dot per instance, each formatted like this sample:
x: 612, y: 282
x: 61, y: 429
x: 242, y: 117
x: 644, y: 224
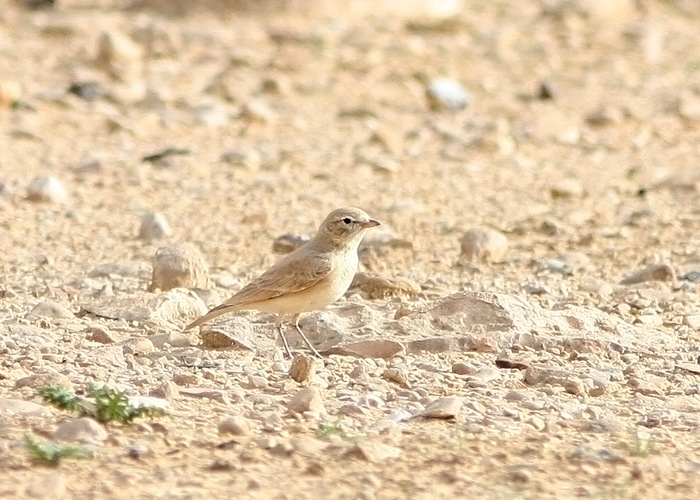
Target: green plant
x: 52, y: 453
x: 105, y: 405
x: 327, y: 429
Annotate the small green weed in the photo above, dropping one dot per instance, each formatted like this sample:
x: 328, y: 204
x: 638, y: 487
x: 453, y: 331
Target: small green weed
x: 105, y: 405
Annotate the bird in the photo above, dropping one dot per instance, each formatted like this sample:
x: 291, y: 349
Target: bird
x: 310, y: 278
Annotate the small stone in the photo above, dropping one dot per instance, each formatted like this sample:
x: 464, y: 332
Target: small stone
x: 569, y: 263
x: 511, y: 364
x: 47, y: 189
x: 568, y: 189
x: 40, y: 380
x: 374, y: 452
x: 119, y: 55
x: 486, y: 374
x: 289, y: 242
x: 217, y: 338
x: 378, y: 287
x: 81, y: 430
x: 483, y: 244
x: 101, y: 334
x: 48, y: 487
x: 24, y: 408
x: 443, y: 408
x: 10, y: 93
x: 546, y: 90
x: 138, y: 452
x: 652, y: 319
x: 167, y: 390
x: 154, y: 226
x: 396, y: 375
x: 88, y: 91
x: 258, y: 111
x: 308, y: 446
x: 446, y: 94
x: 179, y: 265
x: 257, y: 382
x: 307, y: 399
x: 49, y: 309
x: 303, y: 368
x: 692, y: 320
x: 690, y: 367
x: 520, y: 474
x: 604, y: 116
x: 5, y: 191
x: 139, y: 347
x: 368, y: 349
x: 462, y: 369
x: 238, y: 426
x: 127, y: 269
x: 654, y: 272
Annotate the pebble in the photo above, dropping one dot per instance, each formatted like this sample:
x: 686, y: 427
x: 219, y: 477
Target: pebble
x: 5, y: 191
x: 49, y: 309
x: 483, y: 244
x: 379, y: 287
x: 24, y: 408
x: 257, y: 382
x: 462, y: 369
x: 214, y: 338
x: 139, y: 451
x: 10, y: 93
x: 47, y: 189
x: 547, y: 90
x: 139, y: 346
x: 88, y: 91
x: 81, y: 430
x: 154, y: 226
x: 446, y: 94
x: 101, y: 334
x: 396, y: 375
x: 39, y: 380
x: 119, y: 55
x: 303, y: 368
x: 567, y: 189
x: 443, y: 408
x: 289, y: 242
x: 237, y: 426
x: 307, y: 399
x: 379, y: 348
x: 692, y: 320
x: 180, y: 265
x: 167, y: 390
x: 258, y: 111
x: 654, y: 272
x: 374, y: 452
x: 569, y: 263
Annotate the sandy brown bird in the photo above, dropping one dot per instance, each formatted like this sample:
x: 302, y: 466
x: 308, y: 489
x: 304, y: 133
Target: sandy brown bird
x: 310, y: 278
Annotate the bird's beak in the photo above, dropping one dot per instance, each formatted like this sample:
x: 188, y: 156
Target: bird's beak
x: 371, y: 223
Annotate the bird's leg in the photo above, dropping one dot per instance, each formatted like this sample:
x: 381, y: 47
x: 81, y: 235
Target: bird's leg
x: 278, y: 325
x: 313, y: 349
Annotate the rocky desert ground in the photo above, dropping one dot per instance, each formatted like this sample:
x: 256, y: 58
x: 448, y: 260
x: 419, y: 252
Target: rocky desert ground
x: 526, y: 320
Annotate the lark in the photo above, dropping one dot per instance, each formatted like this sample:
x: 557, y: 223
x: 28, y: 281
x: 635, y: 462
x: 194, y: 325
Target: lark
x: 310, y: 278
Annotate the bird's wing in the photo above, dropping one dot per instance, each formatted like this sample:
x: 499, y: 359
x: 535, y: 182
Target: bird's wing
x: 292, y: 274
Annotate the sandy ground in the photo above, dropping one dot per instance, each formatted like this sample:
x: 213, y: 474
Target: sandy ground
x: 579, y: 142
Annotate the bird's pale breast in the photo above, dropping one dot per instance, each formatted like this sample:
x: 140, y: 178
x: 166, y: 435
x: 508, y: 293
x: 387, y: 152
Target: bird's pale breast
x: 318, y: 296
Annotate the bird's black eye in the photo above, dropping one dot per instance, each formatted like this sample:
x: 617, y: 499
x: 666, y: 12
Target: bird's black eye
x: 347, y: 221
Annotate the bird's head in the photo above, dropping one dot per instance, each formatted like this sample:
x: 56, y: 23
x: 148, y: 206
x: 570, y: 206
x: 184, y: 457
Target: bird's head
x: 346, y: 226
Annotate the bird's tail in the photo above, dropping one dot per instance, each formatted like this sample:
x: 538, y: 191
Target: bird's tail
x: 214, y: 313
